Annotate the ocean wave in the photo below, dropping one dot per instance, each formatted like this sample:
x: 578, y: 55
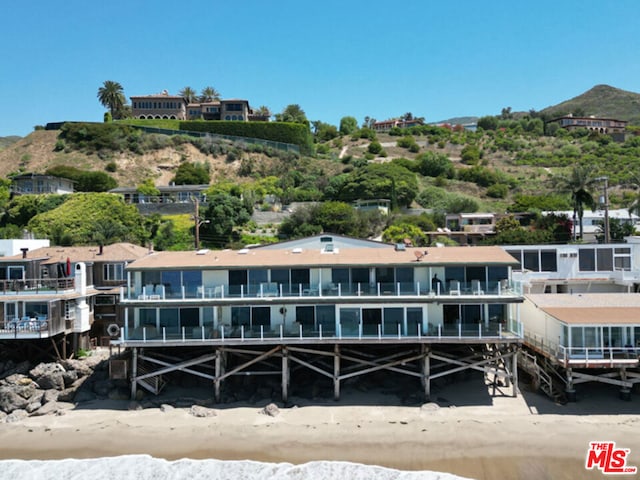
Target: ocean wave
x: 144, y: 467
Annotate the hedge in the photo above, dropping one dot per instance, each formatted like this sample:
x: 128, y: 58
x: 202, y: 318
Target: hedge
x: 295, y: 133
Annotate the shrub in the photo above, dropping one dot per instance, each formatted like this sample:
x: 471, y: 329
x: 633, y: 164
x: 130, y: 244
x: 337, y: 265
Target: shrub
x: 498, y: 190
x: 111, y: 167
x: 374, y: 147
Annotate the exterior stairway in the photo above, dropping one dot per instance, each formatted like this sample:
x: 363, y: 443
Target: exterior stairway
x: 543, y: 379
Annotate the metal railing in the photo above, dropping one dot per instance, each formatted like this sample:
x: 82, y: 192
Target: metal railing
x: 36, y: 285
x: 339, y: 331
x: 157, y: 292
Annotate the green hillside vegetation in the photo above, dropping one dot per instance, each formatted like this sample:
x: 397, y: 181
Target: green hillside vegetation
x: 601, y: 101
x: 513, y: 163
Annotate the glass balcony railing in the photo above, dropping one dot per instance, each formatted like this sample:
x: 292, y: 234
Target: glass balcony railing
x: 281, y: 290
x: 317, y: 332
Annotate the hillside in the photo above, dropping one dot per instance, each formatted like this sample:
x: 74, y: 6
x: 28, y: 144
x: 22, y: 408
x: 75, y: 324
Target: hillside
x: 601, y: 101
x: 7, y: 141
x: 37, y: 152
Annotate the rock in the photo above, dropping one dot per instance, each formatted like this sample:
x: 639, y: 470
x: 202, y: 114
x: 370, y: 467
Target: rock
x: 17, y: 379
x: 10, y: 400
x: 51, y: 396
x: 272, y: 410
x: 47, y: 409
x: 166, y: 407
x: 33, y: 406
x: 69, y: 377
x: 48, y: 375
x: 202, y: 412
x: 3, y: 416
x: 16, y: 416
x: 81, y: 367
x: 66, y: 395
x: 430, y: 407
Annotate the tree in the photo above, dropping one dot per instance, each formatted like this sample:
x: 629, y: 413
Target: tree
x: 292, y: 113
x: 377, y: 181
x: 432, y: 164
x: 578, y: 183
x: 263, y: 111
x: 488, y: 123
x: 399, y: 232
x: 348, y: 125
x: 78, y: 220
x: 224, y: 213
x: 189, y: 94
x: 191, y: 174
x: 111, y: 96
x: 209, y: 94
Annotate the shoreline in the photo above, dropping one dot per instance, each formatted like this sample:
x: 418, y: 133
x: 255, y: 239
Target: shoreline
x: 505, y: 437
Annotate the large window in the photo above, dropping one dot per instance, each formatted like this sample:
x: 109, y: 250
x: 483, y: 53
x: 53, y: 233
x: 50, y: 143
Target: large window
x: 600, y: 259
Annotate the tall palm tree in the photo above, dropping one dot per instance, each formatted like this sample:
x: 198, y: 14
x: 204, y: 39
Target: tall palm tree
x: 209, y: 94
x: 111, y: 95
x: 579, y: 184
x: 634, y: 182
x: 189, y: 94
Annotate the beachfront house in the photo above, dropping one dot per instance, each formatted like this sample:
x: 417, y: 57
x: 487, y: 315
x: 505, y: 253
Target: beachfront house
x: 322, y: 294
x: 581, y: 313
x: 55, y: 292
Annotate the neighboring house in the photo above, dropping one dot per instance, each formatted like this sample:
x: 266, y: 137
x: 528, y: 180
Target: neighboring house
x: 382, y: 205
x: 387, y: 125
x: 607, y: 126
x: 172, y: 199
x: 581, y: 313
x: 593, y: 221
x: 32, y: 183
x: 13, y: 246
x: 45, y: 281
x: 391, y: 305
x: 162, y: 105
x: 175, y: 107
x: 597, y: 124
x: 471, y: 222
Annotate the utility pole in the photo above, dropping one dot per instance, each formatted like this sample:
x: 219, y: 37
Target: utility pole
x: 198, y: 221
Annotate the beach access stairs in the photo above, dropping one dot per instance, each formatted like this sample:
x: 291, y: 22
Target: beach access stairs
x: 544, y: 377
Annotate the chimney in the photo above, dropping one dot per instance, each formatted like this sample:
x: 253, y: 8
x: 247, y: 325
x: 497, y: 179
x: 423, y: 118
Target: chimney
x: 24, y: 251
x: 101, y: 249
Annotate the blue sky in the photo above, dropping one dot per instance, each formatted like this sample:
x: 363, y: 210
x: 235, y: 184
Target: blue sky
x: 436, y: 59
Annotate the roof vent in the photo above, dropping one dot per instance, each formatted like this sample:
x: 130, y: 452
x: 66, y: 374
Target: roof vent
x: 400, y: 247
x: 202, y: 251
x: 328, y: 248
x: 296, y: 250
x: 243, y: 251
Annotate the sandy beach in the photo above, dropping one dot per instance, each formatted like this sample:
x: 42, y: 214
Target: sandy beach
x: 464, y: 431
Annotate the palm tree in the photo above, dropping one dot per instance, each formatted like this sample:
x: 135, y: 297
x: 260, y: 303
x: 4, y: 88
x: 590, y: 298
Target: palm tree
x: 209, y: 94
x: 263, y: 111
x: 578, y: 184
x: 634, y: 206
x: 189, y: 94
x: 111, y: 95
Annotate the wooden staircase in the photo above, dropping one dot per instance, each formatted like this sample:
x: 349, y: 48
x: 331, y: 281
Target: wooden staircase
x: 545, y: 378
x: 153, y: 384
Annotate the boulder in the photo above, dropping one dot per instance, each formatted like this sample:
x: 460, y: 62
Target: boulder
x: 69, y: 377
x: 271, y: 410
x: 10, y: 400
x: 32, y: 407
x: 51, y: 396
x: 81, y: 367
x: 48, y: 376
x: 165, y: 407
x: 202, y: 412
x: 3, y: 416
x: 16, y: 416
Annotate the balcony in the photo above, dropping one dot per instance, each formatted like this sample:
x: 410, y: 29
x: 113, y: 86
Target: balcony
x: 31, y: 286
x: 27, y: 327
x: 344, y: 331
x: 271, y: 291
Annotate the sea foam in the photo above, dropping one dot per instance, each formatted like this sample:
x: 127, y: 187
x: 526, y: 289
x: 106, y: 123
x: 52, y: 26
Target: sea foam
x: 144, y: 467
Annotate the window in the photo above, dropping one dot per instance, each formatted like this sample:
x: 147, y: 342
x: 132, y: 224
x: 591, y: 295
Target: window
x: 531, y: 261
x: 548, y: 261
x: 113, y: 271
x: 605, y: 259
x: 587, y: 259
x: 15, y: 273
x: 622, y: 258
